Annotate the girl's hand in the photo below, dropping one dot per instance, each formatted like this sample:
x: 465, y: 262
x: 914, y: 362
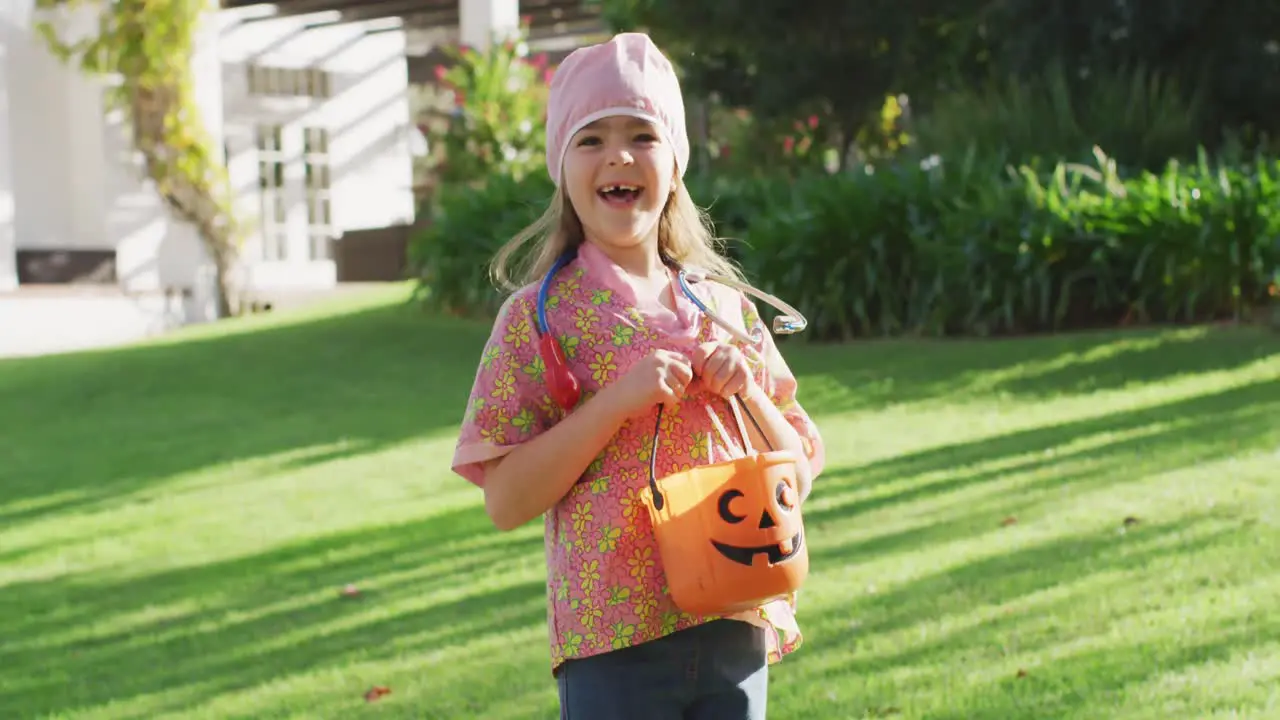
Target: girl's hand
x: 660, y: 378
x: 722, y: 369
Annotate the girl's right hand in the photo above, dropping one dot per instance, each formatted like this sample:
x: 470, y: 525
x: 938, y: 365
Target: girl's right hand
x: 659, y: 378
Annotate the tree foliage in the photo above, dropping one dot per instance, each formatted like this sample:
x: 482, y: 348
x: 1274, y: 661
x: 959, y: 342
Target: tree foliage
x: 782, y: 58
x: 146, y: 47
x: 1229, y: 52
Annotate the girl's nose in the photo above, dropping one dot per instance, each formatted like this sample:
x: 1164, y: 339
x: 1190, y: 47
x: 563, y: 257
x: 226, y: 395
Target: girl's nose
x: 620, y: 157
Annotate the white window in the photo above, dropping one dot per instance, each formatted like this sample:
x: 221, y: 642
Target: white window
x: 306, y: 83
x: 318, y: 83
x: 315, y: 155
x: 271, y: 188
x: 267, y: 81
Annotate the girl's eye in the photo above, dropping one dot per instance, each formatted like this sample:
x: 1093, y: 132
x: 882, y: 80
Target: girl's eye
x: 646, y: 138
x: 588, y: 140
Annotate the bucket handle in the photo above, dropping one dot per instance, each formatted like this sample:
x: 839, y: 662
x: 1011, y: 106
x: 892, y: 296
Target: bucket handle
x: 737, y: 406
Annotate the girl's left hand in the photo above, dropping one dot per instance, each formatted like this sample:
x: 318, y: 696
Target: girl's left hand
x: 722, y: 369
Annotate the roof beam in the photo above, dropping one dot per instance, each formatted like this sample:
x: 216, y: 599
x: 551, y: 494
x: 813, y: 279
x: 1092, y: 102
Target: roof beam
x: 397, y: 7
x: 545, y: 15
x: 538, y: 21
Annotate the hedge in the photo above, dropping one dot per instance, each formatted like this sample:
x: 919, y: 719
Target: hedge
x: 944, y: 248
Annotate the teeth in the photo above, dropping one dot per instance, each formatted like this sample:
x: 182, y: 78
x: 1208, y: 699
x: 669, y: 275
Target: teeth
x: 615, y: 188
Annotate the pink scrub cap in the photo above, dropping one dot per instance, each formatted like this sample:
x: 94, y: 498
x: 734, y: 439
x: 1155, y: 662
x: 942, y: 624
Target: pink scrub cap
x: 626, y: 76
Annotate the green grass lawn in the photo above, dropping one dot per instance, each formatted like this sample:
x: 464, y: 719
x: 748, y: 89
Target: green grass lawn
x: 1083, y: 526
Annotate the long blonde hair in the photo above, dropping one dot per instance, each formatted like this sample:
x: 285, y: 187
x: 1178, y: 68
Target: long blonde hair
x: 685, y: 235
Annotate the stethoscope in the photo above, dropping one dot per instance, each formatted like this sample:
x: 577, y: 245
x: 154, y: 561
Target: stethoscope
x: 563, y: 386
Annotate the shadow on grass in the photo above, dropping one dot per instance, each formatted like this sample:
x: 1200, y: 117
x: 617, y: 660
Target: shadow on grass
x: 875, y: 375
x: 1161, y: 437
x: 1071, y: 685
x: 1021, y: 572
x: 1022, y: 600
x: 1031, y: 597
x: 83, y: 427
x: 224, y: 626
x: 1070, y: 668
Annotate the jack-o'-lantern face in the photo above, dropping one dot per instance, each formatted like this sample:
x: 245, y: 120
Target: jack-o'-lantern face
x: 759, y: 527
x: 731, y: 534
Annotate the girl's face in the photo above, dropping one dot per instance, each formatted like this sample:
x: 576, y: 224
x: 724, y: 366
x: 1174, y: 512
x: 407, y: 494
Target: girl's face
x: 619, y: 174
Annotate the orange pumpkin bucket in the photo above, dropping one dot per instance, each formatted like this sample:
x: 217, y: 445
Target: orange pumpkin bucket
x: 730, y: 534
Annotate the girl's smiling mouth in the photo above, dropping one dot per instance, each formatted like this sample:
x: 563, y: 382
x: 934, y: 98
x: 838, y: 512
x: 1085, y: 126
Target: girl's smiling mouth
x: 620, y: 194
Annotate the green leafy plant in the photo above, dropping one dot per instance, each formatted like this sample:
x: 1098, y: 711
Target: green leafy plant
x: 968, y: 246
x: 488, y: 149
x: 492, y: 119
x: 450, y: 258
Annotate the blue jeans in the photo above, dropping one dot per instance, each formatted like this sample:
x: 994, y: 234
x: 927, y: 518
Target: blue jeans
x: 716, y: 671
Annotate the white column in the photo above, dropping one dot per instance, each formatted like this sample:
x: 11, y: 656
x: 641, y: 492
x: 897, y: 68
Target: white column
x: 8, y: 238
x: 480, y: 21
x: 11, y: 17
x: 86, y: 161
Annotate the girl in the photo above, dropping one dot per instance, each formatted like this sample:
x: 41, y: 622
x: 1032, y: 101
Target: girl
x: 620, y: 649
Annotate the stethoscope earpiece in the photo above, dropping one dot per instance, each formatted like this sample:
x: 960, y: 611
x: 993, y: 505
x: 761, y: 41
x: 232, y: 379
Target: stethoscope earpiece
x: 788, y: 322
x: 787, y: 325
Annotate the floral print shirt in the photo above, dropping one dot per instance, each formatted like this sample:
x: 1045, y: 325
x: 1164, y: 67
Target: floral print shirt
x: 605, y: 582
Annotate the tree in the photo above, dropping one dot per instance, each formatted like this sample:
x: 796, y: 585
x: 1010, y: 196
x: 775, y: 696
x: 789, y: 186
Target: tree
x: 1230, y: 52
x: 784, y: 59
x: 147, y: 47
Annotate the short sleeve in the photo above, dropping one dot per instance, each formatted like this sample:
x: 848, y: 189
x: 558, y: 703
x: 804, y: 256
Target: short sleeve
x: 775, y: 377
x: 509, y: 403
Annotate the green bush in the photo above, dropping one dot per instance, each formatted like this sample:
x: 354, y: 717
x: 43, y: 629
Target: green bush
x: 969, y: 247
x: 468, y: 224
x: 968, y: 250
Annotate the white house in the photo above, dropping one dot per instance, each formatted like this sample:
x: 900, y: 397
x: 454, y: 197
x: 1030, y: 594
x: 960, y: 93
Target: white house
x: 310, y: 101
x: 316, y: 126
